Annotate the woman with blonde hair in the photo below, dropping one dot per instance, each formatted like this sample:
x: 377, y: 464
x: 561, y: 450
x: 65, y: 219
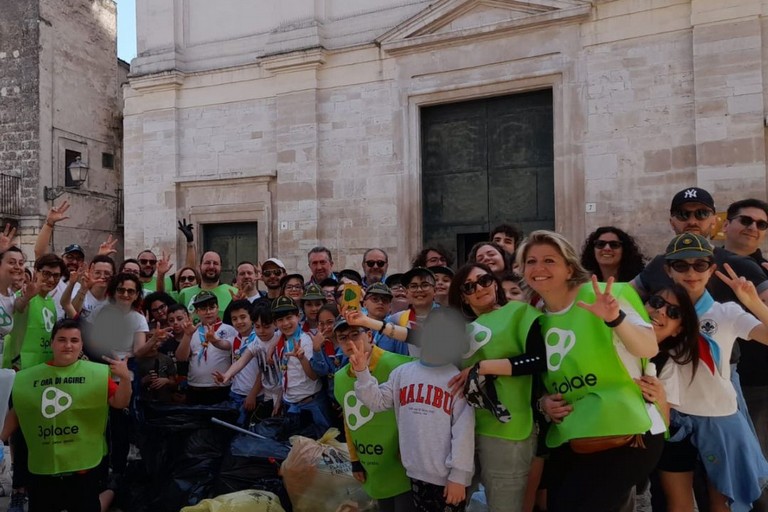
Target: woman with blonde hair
x: 596, y: 338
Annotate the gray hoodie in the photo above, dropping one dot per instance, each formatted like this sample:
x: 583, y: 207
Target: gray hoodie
x: 437, y: 430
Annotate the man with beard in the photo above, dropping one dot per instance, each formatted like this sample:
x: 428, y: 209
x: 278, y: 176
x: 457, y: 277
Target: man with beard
x: 147, y: 266
x: 272, y: 272
x: 247, y: 281
x: 210, y: 273
x: 375, y: 265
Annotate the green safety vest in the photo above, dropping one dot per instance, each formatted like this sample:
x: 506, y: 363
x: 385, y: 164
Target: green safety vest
x: 63, y: 415
x: 374, y: 434
x: 502, y: 334
x: 151, y: 285
x: 30, y: 338
x: 221, y: 292
x: 585, y: 368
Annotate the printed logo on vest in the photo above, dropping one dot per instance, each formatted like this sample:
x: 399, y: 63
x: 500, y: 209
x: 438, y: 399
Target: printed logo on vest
x: 479, y: 336
x: 5, y: 318
x: 559, y: 342
x: 55, y: 402
x: 48, y: 319
x: 355, y: 412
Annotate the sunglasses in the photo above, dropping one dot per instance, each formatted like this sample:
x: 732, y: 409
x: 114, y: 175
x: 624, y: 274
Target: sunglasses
x: 376, y: 263
x: 148, y: 262
x: 699, y: 266
x: 269, y: 273
x: 187, y: 279
x: 378, y: 299
x: 700, y: 214
x: 613, y: 244
x: 657, y: 302
x: 747, y: 221
x: 484, y: 281
x: 126, y: 291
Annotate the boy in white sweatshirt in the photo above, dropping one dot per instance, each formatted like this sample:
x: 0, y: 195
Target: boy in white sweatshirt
x: 437, y: 430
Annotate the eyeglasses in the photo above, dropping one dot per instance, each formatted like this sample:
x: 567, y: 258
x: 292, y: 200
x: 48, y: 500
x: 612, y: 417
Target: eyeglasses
x: 613, y: 244
x: 657, y: 302
x: 50, y: 275
x: 747, y: 221
x: 187, y: 279
x: 352, y: 336
x: 294, y: 287
x: 327, y: 323
x: 419, y: 286
x: 397, y: 288
x: 435, y: 260
x: 126, y: 291
x: 484, y: 281
x: 270, y: 273
x: 376, y: 263
x: 148, y: 262
x: 378, y: 299
x: 100, y: 274
x: 699, y: 266
x: 700, y: 214
x: 206, y: 307
x: 159, y: 308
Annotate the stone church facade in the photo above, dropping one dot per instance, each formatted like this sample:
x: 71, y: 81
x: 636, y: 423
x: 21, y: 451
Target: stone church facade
x: 362, y: 124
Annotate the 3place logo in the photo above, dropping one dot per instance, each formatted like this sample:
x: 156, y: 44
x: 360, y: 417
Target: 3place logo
x: 55, y: 401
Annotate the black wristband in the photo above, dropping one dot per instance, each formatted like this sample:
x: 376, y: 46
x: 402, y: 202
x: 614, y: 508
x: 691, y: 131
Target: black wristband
x: 357, y: 467
x: 619, y: 319
x: 383, y: 326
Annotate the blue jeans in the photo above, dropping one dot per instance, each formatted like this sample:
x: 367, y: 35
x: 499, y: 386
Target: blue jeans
x: 317, y: 407
x: 238, y: 401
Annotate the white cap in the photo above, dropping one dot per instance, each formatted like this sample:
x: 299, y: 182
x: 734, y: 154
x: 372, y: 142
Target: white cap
x: 275, y: 261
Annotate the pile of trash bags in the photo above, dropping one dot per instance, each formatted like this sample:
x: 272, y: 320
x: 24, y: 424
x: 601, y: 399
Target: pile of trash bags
x: 192, y: 456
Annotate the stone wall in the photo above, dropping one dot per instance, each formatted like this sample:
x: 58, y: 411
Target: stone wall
x: 649, y: 98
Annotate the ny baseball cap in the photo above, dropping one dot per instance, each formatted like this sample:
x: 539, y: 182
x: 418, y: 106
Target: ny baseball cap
x: 692, y: 195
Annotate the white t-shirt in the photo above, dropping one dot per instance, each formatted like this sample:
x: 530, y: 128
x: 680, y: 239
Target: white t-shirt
x: 91, y: 305
x: 242, y: 383
x: 271, y: 378
x: 297, y: 385
x: 711, y: 392
x: 57, y: 292
x: 6, y: 312
x: 203, y: 361
x: 631, y: 362
x: 670, y: 379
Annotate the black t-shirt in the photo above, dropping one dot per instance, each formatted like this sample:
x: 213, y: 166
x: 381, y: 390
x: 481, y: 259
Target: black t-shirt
x: 654, y: 277
x: 754, y: 356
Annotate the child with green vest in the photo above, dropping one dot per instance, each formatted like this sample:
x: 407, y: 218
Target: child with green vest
x: 437, y: 445
x: 61, y: 407
x: 372, y: 438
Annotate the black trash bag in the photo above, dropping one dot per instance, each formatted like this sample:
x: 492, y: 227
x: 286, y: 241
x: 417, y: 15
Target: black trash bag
x: 253, y: 463
x: 281, y: 429
x: 181, y: 451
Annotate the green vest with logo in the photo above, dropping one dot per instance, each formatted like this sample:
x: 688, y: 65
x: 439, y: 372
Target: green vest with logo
x: 222, y: 293
x: 585, y: 368
x: 151, y: 285
x: 502, y: 334
x: 36, y: 344
x: 63, y: 415
x: 374, y: 435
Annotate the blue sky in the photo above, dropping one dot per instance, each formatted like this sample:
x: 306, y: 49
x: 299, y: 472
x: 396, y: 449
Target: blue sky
x: 126, y: 29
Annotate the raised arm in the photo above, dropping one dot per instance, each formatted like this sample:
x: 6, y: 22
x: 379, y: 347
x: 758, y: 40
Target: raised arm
x: 186, y: 230
x: 185, y: 345
x: 55, y: 214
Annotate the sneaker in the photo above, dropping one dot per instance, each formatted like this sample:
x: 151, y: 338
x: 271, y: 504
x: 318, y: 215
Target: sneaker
x: 18, y: 501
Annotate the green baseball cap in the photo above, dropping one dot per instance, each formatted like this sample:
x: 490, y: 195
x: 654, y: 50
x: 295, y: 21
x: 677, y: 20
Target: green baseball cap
x: 688, y: 245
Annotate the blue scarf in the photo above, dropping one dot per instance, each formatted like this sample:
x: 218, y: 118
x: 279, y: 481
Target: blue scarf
x: 702, y: 306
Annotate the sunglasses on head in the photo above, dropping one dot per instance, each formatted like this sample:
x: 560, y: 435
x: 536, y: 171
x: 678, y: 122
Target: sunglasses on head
x: 376, y: 263
x: 699, y: 266
x: 148, y: 262
x: 269, y: 273
x: 657, y: 302
x: 700, y: 214
x: 747, y: 221
x: 613, y: 244
x: 484, y: 281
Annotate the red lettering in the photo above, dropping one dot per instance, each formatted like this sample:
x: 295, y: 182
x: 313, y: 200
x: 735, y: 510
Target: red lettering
x: 429, y: 393
x: 448, y: 404
x: 437, y: 400
x: 403, y: 395
x: 410, y: 395
x: 419, y: 396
